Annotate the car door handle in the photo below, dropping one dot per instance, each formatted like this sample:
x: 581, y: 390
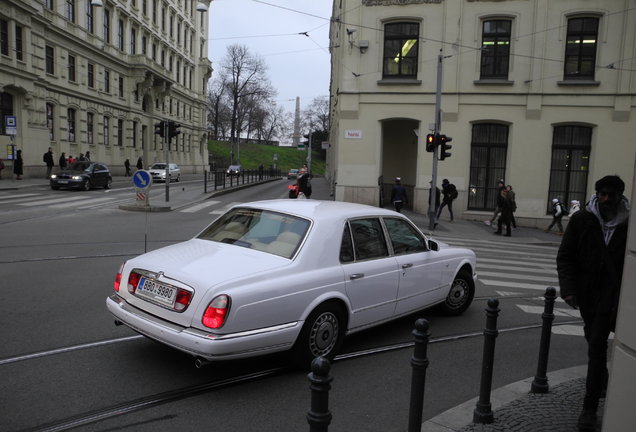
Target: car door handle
x: 356, y: 276
x: 405, y: 266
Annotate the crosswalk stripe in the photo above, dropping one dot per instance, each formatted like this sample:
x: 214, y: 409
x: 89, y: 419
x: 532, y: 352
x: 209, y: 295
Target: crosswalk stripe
x: 508, y: 252
x: 52, y: 201
x: 225, y: 208
x: 511, y: 284
x: 572, y: 313
x: 82, y: 204
x: 518, y: 276
x: 524, y: 269
x: 200, y: 206
x: 570, y: 330
x: 544, y: 262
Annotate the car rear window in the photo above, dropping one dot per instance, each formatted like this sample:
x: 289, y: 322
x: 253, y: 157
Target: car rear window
x: 276, y: 233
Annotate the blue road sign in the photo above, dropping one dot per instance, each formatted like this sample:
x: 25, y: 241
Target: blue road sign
x: 142, y: 179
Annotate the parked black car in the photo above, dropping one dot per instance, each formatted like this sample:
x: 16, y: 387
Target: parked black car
x: 234, y: 170
x: 82, y: 175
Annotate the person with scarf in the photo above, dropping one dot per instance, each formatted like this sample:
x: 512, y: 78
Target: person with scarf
x: 590, y: 267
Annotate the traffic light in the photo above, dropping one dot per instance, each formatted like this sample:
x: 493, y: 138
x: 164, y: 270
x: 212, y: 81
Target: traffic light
x: 430, y: 143
x: 443, y: 151
x: 173, y: 129
x: 159, y: 128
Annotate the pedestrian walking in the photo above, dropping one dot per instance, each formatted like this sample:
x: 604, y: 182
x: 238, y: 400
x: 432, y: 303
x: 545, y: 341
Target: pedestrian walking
x: 88, y: 155
x: 18, y: 165
x: 71, y: 159
x: 511, y: 197
x: 47, y: 158
x: 81, y: 157
x: 575, y: 206
x: 127, y: 166
x: 590, y: 267
x: 140, y: 163
x: 449, y: 192
x: 62, y: 161
x: 500, y: 186
x: 304, y: 183
x: 398, y: 195
x: 557, y: 215
x: 505, y: 212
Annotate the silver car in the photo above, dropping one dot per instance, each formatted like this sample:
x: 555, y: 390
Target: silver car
x: 158, y: 172
x: 297, y: 275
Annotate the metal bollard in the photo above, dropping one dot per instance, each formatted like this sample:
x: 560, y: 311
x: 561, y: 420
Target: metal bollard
x: 419, y: 363
x: 319, y: 415
x: 205, y: 181
x: 483, y: 411
x: 540, y: 382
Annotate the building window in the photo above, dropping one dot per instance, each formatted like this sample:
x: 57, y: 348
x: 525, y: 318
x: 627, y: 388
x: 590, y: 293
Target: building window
x: 134, y: 133
x: 106, y: 131
x: 18, y: 42
x: 106, y: 81
x: 401, y: 50
x: 178, y: 69
x: 6, y: 109
x: 71, y: 68
x: 49, y: 4
x: 90, y: 122
x: 154, y: 52
x: 163, y: 18
x: 144, y: 7
x: 133, y: 41
x: 120, y: 132
x: 569, y: 169
x: 495, y: 49
x: 121, y: 86
x: 50, y: 60
x: 70, y: 119
x: 120, y: 35
x: 91, y: 75
x: 154, y: 12
x: 70, y: 10
x: 489, y: 144
x: 49, y: 120
x: 4, y: 37
x: 106, y: 25
x: 90, y: 20
x: 144, y: 44
x: 580, y: 48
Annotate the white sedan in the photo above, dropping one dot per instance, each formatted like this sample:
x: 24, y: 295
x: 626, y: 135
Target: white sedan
x: 276, y: 275
x: 158, y: 172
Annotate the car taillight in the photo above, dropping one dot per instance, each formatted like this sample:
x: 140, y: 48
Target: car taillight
x: 118, y: 278
x: 216, y: 312
x: 133, y: 282
x: 183, y: 300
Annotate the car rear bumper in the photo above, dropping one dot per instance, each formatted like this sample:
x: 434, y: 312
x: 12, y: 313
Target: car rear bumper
x: 203, y: 344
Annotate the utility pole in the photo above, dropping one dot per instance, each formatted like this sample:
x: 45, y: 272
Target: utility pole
x: 167, y: 132
x: 438, y: 126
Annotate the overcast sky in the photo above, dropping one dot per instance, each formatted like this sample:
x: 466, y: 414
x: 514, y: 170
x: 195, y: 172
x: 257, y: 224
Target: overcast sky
x: 298, y: 64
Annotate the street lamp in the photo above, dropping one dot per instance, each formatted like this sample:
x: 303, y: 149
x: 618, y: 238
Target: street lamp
x: 201, y: 7
x: 97, y: 3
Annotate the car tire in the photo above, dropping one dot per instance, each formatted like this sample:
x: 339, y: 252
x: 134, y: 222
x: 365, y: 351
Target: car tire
x: 109, y: 183
x: 460, y: 295
x: 87, y: 185
x: 178, y: 178
x: 321, y: 335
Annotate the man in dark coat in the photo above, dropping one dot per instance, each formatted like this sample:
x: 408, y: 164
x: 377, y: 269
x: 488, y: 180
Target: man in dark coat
x: 48, y: 160
x: 504, y: 204
x: 590, y: 266
x: 449, y: 191
x: 398, y: 195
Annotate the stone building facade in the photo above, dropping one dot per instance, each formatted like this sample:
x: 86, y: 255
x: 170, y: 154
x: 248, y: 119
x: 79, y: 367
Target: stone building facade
x: 538, y: 93
x: 80, y: 77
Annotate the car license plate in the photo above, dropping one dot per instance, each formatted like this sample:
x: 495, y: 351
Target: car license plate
x: 62, y: 181
x: 156, y: 291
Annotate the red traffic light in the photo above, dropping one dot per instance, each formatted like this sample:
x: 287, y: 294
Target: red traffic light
x: 430, y: 143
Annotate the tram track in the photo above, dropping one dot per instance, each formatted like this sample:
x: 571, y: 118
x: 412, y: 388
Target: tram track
x: 154, y: 400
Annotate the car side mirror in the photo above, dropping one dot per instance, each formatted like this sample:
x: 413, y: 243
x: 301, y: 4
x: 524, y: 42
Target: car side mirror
x: 432, y: 245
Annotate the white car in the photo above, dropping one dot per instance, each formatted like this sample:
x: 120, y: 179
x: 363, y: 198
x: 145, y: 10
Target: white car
x: 276, y: 275
x: 158, y: 172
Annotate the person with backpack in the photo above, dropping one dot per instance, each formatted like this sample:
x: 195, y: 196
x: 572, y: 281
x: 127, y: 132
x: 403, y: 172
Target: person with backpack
x: 398, y: 195
x: 47, y: 158
x: 449, y: 192
x: 557, y: 214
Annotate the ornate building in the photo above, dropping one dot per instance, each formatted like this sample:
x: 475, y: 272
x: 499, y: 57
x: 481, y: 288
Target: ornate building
x: 538, y: 93
x: 87, y: 75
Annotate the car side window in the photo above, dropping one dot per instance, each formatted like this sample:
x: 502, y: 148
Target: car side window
x: 368, y: 239
x: 346, y: 246
x: 405, y: 239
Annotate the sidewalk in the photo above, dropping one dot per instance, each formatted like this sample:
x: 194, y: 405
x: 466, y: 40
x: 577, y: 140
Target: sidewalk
x: 514, y: 408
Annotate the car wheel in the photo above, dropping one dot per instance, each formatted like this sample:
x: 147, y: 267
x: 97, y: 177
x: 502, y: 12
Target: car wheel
x: 109, y: 183
x: 178, y: 178
x: 87, y: 185
x: 322, y: 334
x: 460, y: 295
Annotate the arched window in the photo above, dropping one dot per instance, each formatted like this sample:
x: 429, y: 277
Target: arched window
x: 489, y: 145
x: 570, y: 165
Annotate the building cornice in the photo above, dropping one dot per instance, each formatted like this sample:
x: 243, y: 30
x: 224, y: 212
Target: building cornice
x: 396, y: 2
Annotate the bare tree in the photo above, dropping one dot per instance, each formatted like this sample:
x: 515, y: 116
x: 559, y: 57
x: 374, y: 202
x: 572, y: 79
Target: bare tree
x: 316, y: 116
x: 218, y: 111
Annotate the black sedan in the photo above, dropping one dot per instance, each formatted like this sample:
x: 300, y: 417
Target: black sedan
x: 82, y: 175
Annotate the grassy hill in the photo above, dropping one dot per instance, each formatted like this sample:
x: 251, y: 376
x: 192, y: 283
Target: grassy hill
x: 252, y: 155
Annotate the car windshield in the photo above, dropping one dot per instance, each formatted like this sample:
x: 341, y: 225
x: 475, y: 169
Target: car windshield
x: 276, y: 233
x: 234, y: 167
x: 80, y: 166
x: 158, y: 166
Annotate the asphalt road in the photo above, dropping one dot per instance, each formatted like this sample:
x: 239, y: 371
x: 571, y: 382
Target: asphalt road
x: 64, y: 364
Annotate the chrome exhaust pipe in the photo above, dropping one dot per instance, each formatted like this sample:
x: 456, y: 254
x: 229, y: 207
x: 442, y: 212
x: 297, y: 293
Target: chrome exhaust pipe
x: 200, y: 362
